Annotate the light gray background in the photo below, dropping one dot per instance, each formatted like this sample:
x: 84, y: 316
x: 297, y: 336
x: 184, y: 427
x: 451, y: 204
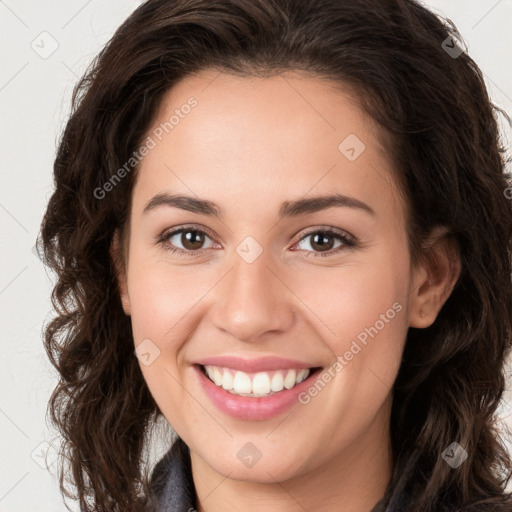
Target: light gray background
x: 34, y: 102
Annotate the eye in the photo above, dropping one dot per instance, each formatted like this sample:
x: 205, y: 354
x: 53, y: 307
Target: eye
x: 190, y: 237
x: 323, y: 240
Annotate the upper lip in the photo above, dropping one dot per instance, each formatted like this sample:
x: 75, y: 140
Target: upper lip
x: 260, y: 364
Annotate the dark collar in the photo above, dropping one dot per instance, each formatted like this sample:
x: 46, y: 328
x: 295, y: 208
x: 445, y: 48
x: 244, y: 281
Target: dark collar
x: 172, y: 482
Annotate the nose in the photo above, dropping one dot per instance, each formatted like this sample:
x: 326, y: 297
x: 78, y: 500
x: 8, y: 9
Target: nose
x: 253, y: 299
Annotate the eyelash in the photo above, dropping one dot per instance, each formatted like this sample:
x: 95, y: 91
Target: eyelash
x: 347, y: 241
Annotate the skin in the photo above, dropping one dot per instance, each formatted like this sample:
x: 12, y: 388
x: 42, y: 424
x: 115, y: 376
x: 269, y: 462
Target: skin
x: 249, y: 145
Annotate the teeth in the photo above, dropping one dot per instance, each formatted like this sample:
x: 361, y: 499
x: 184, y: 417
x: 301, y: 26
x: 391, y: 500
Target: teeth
x: 217, y: 376
x: 260, y: 383
x: 256, y: 384
x: 302, y: 375
x: 242, y: 383
x: 289, y: 380
x: 227, y: 380
x: 277, y: 383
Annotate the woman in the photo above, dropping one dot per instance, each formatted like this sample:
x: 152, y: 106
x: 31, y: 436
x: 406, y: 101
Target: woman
x: 285, y: 228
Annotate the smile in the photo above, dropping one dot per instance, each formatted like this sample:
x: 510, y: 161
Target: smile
x: 257, y: 395
x: 255, y: 384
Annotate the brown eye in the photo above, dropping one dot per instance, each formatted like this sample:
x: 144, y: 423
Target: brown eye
x: 324, y: 241
x: 186, y: 241
x: 192, y: 239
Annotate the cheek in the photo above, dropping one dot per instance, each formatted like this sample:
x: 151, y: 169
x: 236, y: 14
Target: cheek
x: 347, y: 301
x: 163, y: 296
x: 162, y: 300
x: 166, y: 308
x: 360, y: 311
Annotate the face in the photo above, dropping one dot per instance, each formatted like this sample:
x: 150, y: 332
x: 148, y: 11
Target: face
x: 255, y: 279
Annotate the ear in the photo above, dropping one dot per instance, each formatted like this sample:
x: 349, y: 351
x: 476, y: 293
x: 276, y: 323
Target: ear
x: 434, y: 279
x: 116, y: 253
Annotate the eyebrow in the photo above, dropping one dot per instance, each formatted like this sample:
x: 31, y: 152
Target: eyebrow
x: 287, y: 209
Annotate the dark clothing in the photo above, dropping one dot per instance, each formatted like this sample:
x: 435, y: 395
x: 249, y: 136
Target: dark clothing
x: 172, y: 480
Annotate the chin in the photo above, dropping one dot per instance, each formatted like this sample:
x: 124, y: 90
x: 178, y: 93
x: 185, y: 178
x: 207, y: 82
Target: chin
x: 267, y: 469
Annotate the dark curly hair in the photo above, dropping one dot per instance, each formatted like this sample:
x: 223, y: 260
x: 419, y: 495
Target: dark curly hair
x: 444, y: 142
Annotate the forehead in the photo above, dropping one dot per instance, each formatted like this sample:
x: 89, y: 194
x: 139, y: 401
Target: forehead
x: 216, y: 133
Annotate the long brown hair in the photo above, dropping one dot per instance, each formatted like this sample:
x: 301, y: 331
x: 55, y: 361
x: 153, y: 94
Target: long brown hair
x: 448, y: 156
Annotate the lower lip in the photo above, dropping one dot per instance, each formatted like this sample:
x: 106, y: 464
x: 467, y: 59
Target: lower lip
x: 252, y: 408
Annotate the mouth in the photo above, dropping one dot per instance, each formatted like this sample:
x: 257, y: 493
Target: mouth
x: 254, y: 388
x: 257, y: 384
